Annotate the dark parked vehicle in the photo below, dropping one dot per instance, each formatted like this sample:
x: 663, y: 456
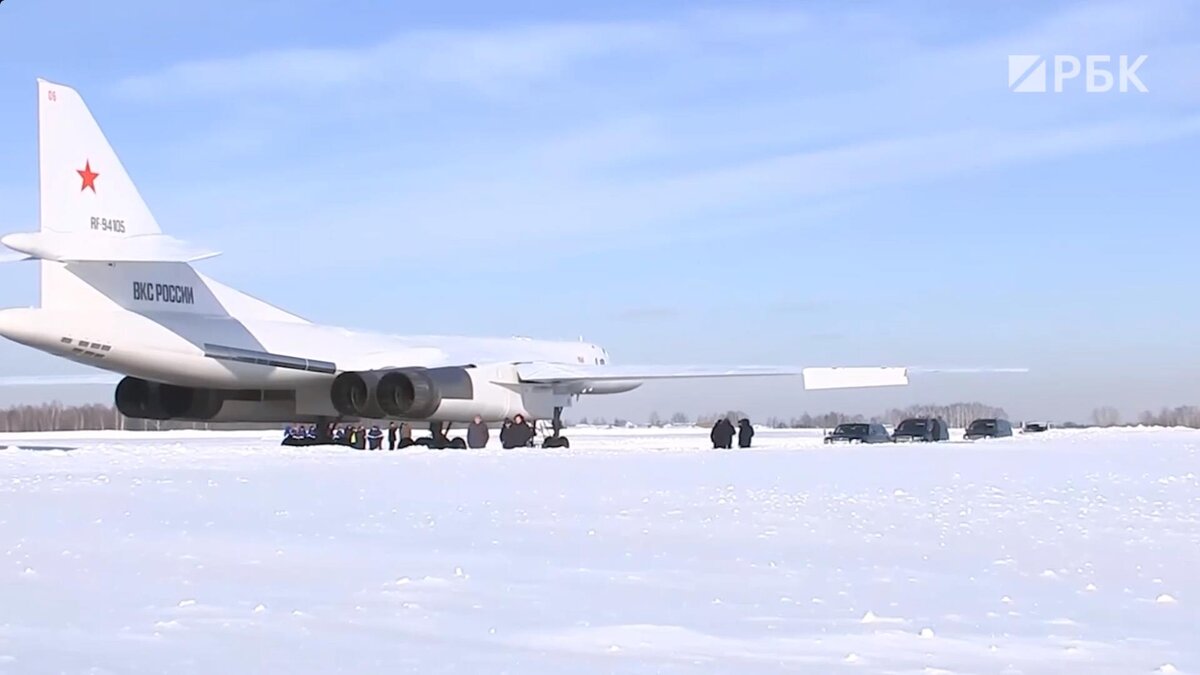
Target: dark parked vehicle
x: 988, y: 428
x: 926, y: 429
x: 858, y: 433
x: 1034, y: 428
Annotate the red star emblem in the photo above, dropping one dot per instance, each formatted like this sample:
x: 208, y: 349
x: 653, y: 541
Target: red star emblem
x: 89, y: 177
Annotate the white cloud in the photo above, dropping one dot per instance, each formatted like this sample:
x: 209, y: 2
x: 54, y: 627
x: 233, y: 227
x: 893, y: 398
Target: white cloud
x: 482, y: 59
x: 692, y: 123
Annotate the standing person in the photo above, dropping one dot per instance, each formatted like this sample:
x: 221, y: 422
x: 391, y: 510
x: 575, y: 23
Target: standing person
x: 391, y: 435
x: 504, y: 432
x: 519, y: 435
x: 405, y: 435
x: 745, y: 433
x: 360, y: 437
x: 477, y: 434
x: 724, y: 433
x: 715, y: 435
x: 375, y: 437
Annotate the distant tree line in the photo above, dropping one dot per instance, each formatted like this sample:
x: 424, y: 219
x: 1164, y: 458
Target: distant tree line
x: 94, y: 417
x: 1181, y: 416
x: 955, y: 414
x: 58, y: 417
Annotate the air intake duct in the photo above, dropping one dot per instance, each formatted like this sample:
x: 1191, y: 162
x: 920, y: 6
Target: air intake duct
x: 401, y: 393
x: 143, y: 399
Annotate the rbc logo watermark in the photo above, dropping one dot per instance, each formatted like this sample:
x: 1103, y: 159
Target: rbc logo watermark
x: 1029, y: 74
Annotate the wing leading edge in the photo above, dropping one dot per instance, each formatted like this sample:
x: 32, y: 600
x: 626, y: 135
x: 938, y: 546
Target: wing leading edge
x: 814, y: 378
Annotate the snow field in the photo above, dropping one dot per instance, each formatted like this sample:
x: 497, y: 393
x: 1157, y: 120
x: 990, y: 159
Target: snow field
x: 636, y: 551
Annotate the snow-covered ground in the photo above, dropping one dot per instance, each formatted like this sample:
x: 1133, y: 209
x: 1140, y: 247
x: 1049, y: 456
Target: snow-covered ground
x: 636, y: 551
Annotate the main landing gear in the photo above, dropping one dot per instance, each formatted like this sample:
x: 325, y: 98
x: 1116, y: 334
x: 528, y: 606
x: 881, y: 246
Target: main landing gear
x: 438, y: 440
x: 556, y: 440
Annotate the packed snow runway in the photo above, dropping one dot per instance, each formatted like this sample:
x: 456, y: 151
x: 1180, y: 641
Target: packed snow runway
x: 636, y: 551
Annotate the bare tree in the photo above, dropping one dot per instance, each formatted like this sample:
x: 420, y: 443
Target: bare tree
x: 1106, y: 416
x: 1182, y: 416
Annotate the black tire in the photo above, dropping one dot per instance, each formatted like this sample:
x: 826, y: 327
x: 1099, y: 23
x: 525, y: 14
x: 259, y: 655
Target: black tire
x: 458, y: 444
x: 405, y: 443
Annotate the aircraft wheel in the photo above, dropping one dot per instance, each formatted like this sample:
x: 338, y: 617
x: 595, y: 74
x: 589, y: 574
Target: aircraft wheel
x: 458, y: 444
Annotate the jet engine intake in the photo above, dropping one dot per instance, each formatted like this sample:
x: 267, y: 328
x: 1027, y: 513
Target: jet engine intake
x: 353, y: 394
x: 402, y: 393
x: 143, y: 399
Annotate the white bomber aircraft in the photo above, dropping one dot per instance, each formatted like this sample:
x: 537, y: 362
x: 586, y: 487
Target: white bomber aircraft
x: 118, y: 294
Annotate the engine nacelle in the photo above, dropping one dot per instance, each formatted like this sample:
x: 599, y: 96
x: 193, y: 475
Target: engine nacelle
x: 353, y: 394
x: 402, y: 393
x: 143, y: 399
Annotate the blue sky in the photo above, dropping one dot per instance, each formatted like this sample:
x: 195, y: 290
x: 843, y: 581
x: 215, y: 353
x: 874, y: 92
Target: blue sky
x: 819, y: 183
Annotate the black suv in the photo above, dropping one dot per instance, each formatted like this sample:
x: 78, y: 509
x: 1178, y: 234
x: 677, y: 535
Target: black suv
x: 858, y: 432
x: 988, y: 428
x: 927, y: 429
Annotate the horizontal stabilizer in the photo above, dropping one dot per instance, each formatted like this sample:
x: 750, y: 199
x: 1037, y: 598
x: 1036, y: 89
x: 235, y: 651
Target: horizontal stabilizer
x: 88, y: 247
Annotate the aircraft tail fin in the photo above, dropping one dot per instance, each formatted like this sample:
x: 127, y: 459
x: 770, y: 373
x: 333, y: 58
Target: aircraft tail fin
x: 98, y: 244
x: 84, y: 186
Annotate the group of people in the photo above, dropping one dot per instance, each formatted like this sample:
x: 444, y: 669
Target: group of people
x: 723, y: 432
x: 355, y: 436
x: 516, y: 432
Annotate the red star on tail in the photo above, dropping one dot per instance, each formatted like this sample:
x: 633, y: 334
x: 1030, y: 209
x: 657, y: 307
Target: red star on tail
x: 89, y: 177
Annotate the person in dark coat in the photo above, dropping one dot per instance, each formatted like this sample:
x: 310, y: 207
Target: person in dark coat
x: 504, y: 432
x: 324, y: 433
x: 391, y: 435
x: 292, y: 436
x: 375, y: 437
x: 745, y: 433
x: 724, y: 433
x: 360, y: 437
x: 477, y: 434
x: 519, y: 435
